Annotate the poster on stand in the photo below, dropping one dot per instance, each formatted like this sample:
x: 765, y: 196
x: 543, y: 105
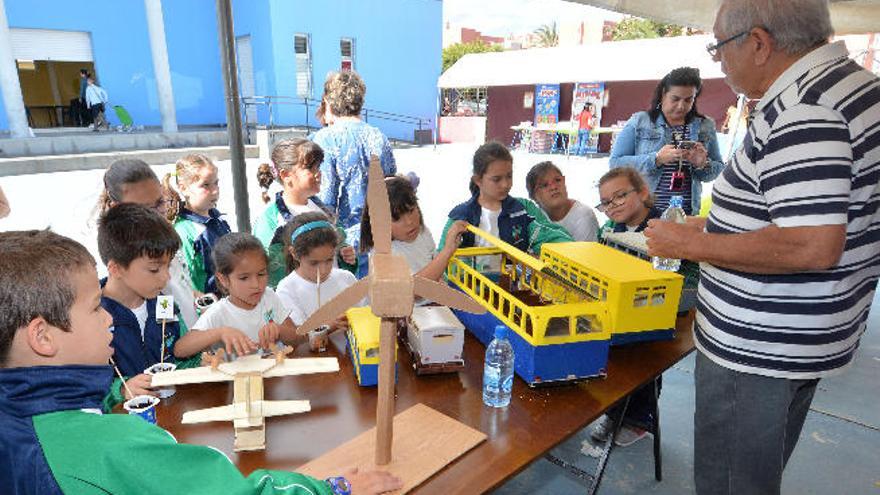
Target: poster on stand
x: 586, y: 112
x: 546, y: 104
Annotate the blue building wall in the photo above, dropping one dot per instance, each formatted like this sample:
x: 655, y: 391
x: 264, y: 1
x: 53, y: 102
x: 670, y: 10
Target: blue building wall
x: 122, y: 57
x: 397, y: 51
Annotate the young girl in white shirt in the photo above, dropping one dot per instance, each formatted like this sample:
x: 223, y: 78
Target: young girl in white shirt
x: 311, y: 243
x: 251, y: 316
x: 409, y: 236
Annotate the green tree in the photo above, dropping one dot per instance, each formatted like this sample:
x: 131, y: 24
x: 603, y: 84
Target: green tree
x: 633, y: 28
x: 547, y: 35
x: 453, y: 52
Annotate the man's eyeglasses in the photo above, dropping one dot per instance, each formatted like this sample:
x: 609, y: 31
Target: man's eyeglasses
x: 712, y: 48
x: 617, y: 200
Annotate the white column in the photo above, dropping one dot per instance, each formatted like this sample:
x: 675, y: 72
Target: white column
x: 156, y: 28
x: 9, y: 83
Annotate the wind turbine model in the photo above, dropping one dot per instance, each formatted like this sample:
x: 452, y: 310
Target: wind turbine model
x: 248, y: 409
x: 391, y: 288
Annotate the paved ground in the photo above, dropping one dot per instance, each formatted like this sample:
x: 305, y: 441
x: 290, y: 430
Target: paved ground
x: 839, y: 450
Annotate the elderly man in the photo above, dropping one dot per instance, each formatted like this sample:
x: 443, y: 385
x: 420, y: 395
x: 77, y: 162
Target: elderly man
x: 791, y: 249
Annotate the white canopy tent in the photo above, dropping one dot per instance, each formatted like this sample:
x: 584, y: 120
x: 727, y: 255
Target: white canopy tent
x: 848, y: 16
x: 635, y: 60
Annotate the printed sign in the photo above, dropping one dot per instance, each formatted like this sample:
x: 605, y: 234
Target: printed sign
x: 586, y: 113
x: 546, y: 104
x: 165, y: 308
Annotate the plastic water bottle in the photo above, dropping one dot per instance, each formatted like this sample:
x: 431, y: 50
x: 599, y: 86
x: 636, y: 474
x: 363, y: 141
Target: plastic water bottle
x: 673, y: 214
x: 498, y: 370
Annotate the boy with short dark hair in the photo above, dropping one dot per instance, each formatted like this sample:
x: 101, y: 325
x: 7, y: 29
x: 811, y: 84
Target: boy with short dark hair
x: 54, y: 348
x: 137, y: 246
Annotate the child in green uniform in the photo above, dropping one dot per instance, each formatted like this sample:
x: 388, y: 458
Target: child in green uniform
x: 517, y: 221
x: 296, y: 165
x: 54, y: 349
x: 197, y: 220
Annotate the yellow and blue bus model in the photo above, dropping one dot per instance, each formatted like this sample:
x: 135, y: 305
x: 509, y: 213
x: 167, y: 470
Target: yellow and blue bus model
x: 558, y: 332
x: 642, y: 302
x: 362, y: 341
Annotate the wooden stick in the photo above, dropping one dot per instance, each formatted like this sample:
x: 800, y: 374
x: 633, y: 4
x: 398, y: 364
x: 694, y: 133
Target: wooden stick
x: 385, y: 405
x: 121, y: 378
x: 319, y: 288
x: 162, y: 352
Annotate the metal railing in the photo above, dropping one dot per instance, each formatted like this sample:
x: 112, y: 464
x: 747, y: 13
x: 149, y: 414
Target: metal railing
x: 272, y: 102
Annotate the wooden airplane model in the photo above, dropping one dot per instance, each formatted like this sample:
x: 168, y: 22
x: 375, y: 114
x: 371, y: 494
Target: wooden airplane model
x: 248, y: 410
x: 391, y: 288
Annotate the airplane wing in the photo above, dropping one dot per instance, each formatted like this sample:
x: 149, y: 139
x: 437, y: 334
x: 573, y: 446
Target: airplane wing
x: 238, y: 413
x: 192, y: 375
x: 303, y: 366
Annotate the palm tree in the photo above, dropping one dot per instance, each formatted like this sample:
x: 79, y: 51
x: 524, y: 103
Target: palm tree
x: 547, y: 35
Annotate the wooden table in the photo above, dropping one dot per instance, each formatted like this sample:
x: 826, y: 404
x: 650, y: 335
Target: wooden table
x: 536, y: 420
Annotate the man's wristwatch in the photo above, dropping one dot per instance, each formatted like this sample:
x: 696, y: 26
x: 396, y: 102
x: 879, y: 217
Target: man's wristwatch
x: 339, y: 485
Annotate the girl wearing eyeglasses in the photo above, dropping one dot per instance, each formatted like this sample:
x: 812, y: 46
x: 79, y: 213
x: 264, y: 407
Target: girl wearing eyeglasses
x: 672, y: 145
x: 626, y: 201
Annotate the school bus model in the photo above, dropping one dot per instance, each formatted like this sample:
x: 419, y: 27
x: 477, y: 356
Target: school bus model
x: 363, y: 344
x: 559, y: 333
x: 642, y: 302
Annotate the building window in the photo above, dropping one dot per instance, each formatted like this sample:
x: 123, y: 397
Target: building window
x: 346, y: 51
x: 302, y: 47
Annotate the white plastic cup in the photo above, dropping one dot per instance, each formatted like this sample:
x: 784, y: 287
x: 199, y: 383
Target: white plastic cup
x: 143, y: 406
x: 318, y: 339
x: 164, y: 392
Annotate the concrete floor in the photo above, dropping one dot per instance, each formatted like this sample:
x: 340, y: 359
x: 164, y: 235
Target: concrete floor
x: 839, y: 450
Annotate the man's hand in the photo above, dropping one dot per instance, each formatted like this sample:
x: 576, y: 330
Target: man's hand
x: 670, y: 240
x: 371, y: 482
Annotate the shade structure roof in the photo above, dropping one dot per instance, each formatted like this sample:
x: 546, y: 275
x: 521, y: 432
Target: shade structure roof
x: 848, y: 16
x: 634, y: 60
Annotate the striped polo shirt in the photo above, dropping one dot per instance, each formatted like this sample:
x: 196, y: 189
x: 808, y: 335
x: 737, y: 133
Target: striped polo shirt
x: 811, y: 158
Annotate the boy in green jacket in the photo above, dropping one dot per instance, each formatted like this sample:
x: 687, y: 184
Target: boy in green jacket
x: 54, y: 349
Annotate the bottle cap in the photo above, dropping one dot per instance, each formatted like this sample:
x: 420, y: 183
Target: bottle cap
x: 676, y: 201
x: 500, y: 332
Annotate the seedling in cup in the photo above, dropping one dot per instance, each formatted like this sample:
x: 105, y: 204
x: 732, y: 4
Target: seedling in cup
x: 164, y: 392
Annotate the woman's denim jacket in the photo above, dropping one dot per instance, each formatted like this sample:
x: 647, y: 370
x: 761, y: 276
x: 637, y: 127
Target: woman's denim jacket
x: 638, y: 143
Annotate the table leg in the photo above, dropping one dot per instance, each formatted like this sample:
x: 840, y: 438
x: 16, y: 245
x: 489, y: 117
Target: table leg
x: 658, y: 464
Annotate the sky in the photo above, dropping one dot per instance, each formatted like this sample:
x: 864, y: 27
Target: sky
x: 502, y: 17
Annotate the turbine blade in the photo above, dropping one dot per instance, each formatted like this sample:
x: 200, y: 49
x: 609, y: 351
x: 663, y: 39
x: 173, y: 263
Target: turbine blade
x: 445, y: 295
x: 380, y: 207
x: 336, y: 306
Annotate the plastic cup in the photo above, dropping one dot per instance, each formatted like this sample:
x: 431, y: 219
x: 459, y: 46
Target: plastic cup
x: 318, y: 339
x: 143, y: 406
x: 164, y: 392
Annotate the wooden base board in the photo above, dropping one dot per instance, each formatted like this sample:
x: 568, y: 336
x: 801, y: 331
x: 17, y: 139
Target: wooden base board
x: 425, y: 441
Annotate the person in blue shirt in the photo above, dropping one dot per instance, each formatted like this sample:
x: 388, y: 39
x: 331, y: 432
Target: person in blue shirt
x: 348, y: 143
x: 137, y: 245
x: 672, y: 145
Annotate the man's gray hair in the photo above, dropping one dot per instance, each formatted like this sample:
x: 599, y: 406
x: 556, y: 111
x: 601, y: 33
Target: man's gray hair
x: 796, y: 25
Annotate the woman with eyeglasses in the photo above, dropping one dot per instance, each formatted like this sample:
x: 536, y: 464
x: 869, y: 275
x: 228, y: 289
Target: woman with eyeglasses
x: 672, y: 145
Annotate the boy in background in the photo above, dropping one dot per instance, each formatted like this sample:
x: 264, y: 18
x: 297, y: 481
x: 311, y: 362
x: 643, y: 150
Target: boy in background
x: 54, y: 348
